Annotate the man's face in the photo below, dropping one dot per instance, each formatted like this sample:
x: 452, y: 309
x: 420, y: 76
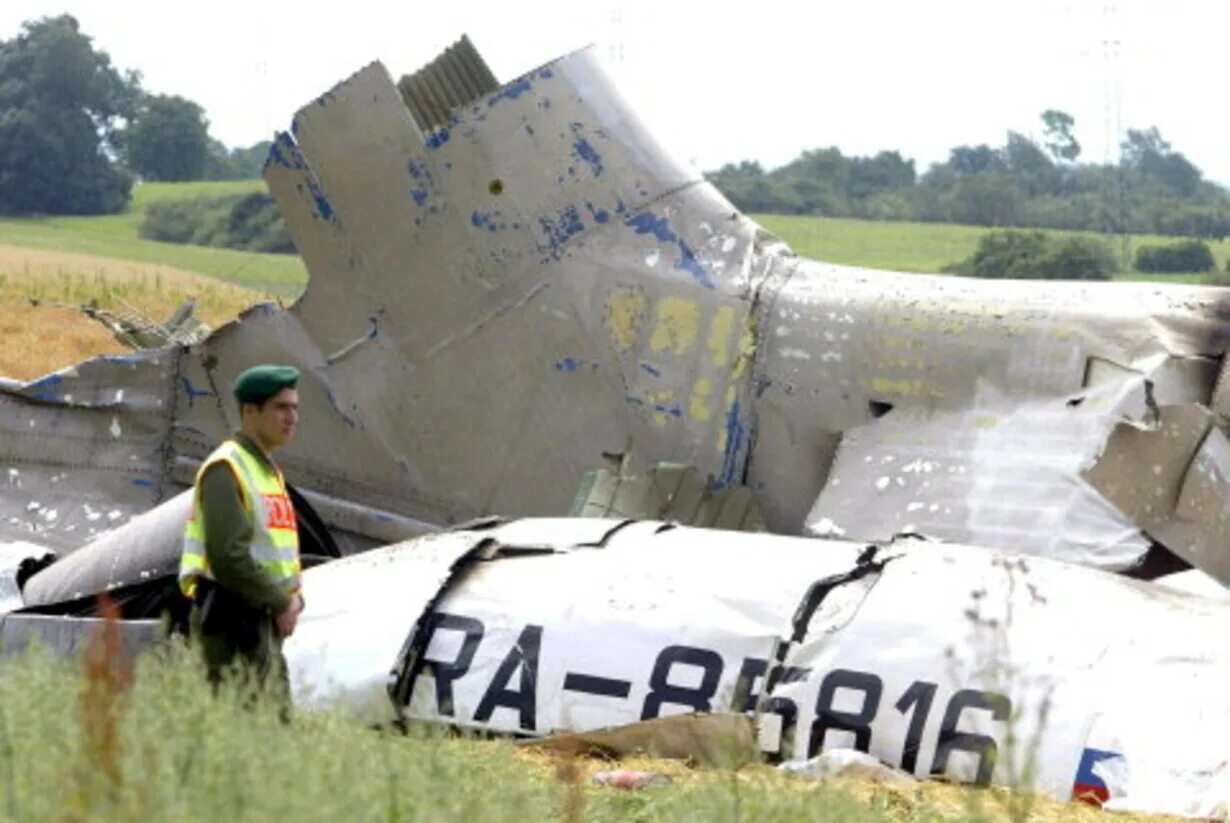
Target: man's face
x: 273, y: 424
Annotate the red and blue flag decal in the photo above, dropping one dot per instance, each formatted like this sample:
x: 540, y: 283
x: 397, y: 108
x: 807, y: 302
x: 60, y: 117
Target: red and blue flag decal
x: 1088, y: 787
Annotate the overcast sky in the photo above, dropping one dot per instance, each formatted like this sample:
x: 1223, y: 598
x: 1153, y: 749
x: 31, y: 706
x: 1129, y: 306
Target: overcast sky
x: 764, y: 82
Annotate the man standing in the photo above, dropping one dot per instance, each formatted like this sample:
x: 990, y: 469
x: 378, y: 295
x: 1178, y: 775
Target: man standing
x: 240, y: 561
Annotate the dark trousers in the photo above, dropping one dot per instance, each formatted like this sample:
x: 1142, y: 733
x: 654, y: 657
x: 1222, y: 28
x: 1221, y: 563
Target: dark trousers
x: 239, y: 643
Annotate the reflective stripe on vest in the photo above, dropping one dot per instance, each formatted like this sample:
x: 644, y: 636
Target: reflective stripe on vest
x: 275, y: 536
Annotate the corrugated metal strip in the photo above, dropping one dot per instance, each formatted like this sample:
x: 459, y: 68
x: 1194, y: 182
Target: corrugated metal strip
x: 455, y: 78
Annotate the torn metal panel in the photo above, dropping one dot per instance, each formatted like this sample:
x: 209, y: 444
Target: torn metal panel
x: 666, y: 492
x: 145, y: 548
x: 833, y: 655
x: 1004, y: 474
x: 550, y: 260
x: 499, y: 299
x: 1141, y: 468
x: 842, y: 346
x: 986, y: 660
x: 346, y: 654
x: 84, y: 448
x: 1199, y: 531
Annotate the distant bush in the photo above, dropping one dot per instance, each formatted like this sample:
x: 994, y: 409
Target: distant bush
x: 1036, y: 255
x: 1184, y: 256
x: 250, y: 222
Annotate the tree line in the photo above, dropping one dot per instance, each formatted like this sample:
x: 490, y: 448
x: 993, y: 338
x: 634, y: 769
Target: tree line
x: 1153, y: 189
x: 76, y: 132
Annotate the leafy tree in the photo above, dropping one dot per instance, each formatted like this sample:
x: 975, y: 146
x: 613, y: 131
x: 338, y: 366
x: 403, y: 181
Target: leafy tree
x: 968, y: 160
x: 236, y: 164
x: 61, y: 103
x: 1184, y: 256
x: 168, y: 139
x: 1151, y: 157
x: 887, y: 172
x: 1036, y: 255
x: 1029, y: 167
x: 1057, y: 128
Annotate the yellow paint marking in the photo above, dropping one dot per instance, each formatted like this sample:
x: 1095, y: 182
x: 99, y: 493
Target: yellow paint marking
x: 719, y: 335
x: 904, y: 388
x: 624, y: 311
x: 747, y: 348
x: 677, y: 325
x: 659, y: 400
x: 699, y: 407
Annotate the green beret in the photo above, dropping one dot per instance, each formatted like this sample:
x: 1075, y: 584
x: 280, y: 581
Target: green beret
x: 259, y: 383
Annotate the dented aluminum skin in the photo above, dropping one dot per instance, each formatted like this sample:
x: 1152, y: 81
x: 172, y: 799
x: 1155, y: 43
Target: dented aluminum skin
x: 498, y: 301
x: 939, y: 659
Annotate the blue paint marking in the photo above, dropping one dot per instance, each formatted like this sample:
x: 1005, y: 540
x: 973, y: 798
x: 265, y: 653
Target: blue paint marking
x: 282, y: 152
x: 620, y: 208
x: 584, y: 151
x: 659, y: 227
x: 649, y: 368
x: 568, y: 364
x: 647, y: 223
x: 687, y: 262
x: 324, y: 209
x: 731, y: 461
x: 418, y: 171
x: 488, y: 221
x: 438, y: 138
x: 122, y: 359
x: 560, y: 229
x: 599, y: 215
x: 44, y: 388
x: 193, y: 392
x: 419, y: 196
x: 546, y: 74
x: 511, y: 92
x: 143, y: 483
x: 671, y: 411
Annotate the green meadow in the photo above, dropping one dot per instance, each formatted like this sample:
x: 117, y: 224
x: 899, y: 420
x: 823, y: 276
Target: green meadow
x: 115, y: 236
x: 912, y: 247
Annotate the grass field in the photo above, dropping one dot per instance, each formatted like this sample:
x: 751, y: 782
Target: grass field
x: 115, y: 237
x: 927, y: 247
x: 39, y: 339
x: 96, y: 741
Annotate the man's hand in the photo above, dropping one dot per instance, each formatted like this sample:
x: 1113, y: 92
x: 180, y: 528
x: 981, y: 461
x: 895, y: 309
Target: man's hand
x: 287, y: 620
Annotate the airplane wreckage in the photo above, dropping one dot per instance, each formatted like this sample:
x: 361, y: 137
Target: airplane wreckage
x: 960, y: 477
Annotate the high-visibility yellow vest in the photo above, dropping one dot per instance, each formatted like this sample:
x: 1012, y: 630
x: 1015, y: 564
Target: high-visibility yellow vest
x: 275, y: 536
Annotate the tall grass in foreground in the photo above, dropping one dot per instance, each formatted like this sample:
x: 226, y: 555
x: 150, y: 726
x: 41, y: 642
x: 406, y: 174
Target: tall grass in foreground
x: 98, y: 741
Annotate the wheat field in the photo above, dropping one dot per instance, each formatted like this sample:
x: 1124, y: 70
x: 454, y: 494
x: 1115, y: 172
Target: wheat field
x: 36, y: 339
